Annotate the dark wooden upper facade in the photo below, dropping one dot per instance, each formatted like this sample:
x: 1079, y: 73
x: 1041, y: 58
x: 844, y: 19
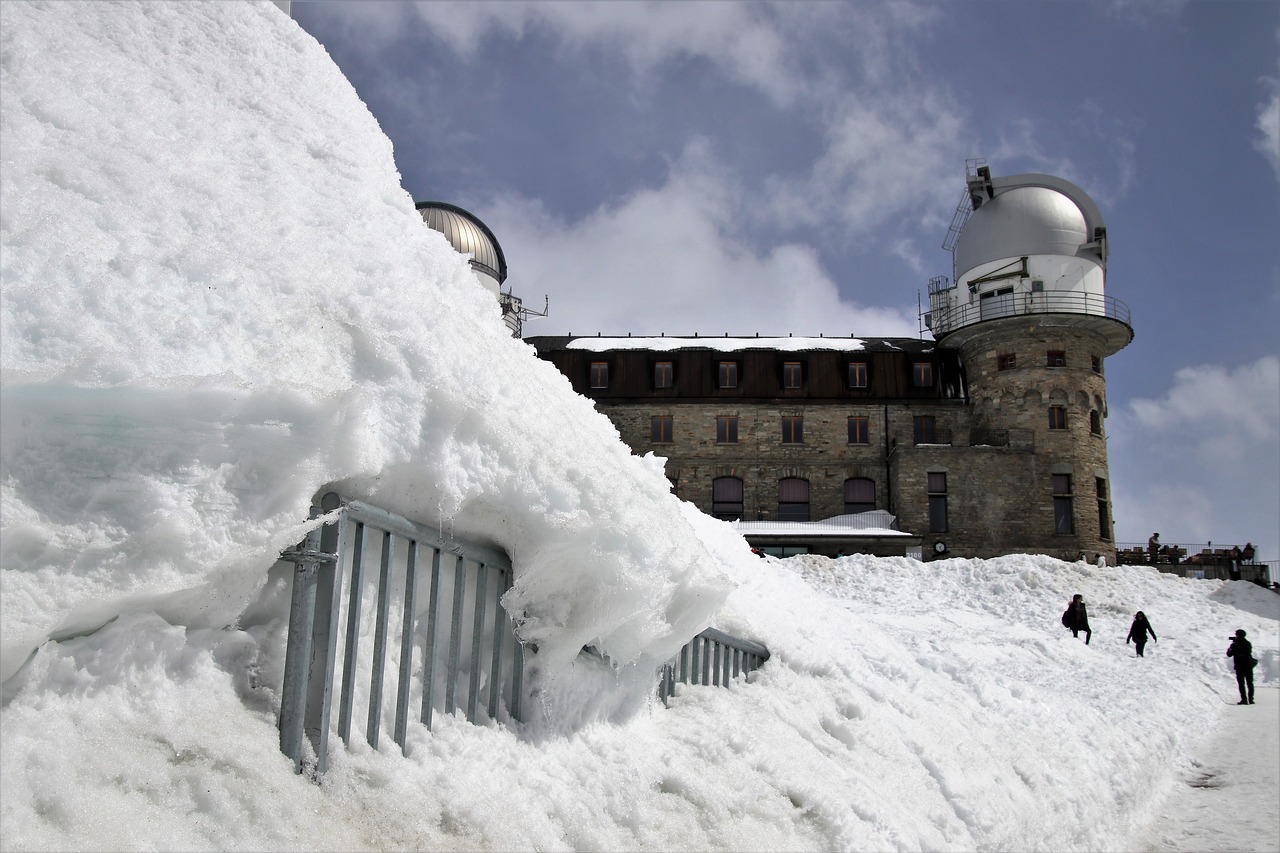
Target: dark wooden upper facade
x: 892, y: 370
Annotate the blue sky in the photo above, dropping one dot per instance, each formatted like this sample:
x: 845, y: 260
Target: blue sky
x: 792, y: 168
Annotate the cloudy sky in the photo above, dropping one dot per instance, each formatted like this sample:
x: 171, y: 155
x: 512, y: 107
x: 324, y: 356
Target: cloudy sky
x: 793, y: 167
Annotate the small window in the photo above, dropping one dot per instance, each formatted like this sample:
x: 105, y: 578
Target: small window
x: 1096, y: 363
x: 922, y: 374
x: 660, y: 429
x: 726, y: 498
x: 859, y: 495
x: 792, y: 375
x: 728, y: 374
x: 793, y: 499
x: 926, y: 429
x: 599, y: 374
x: 859, y: 429
x: 792, y: 429
x: 937, y: 490
x: 1104, y: 515
x: 663, y: 374
x: 1057, y: 417
x: 1095, y: 422
x: 857, y: 374
x: 1006, y: 361
x: 726, y: 429
x: 1063, y: 515
x: 1057, y: 358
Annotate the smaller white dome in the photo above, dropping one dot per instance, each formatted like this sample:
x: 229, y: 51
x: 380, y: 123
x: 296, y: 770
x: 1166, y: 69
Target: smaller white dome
x: 468, y: 235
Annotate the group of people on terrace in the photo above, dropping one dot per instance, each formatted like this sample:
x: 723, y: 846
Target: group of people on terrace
x: 1174, y: 554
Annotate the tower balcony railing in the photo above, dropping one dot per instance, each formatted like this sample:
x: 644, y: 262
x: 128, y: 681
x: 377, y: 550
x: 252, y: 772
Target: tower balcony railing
x: 1021, y: 304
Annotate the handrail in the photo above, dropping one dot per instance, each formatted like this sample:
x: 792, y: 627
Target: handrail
x: 712, y: 658
x: 1042, y: 302
x: 333, y: 553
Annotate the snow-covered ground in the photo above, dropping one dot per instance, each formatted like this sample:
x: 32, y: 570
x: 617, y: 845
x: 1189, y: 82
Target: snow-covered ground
x: 217, y: 300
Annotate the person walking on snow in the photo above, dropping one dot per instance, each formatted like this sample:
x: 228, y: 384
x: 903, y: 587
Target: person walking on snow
x: 1077, y: 618
x: 1242, y: 651
x: 1138, y: 632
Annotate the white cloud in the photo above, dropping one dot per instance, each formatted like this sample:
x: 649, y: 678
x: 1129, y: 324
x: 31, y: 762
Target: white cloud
x: 672, y: 259
x: 884, y: 157
x: 1268, y: 141
x: 1202, y: 462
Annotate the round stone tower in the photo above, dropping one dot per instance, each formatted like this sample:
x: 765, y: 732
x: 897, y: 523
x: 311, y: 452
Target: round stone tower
x: 1028, y: 312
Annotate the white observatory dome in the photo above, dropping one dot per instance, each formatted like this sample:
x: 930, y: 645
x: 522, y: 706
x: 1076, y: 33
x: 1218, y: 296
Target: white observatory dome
x: 1019, y: 221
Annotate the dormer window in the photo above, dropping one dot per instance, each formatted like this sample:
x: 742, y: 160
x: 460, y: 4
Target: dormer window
x: 599, y: 374
x: 663, y: 374
x: 792, y: 375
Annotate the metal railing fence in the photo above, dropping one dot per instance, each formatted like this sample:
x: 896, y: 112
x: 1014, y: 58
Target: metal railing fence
x: 1043, y: 302
x: 473, y: 670
x: 712, y: 658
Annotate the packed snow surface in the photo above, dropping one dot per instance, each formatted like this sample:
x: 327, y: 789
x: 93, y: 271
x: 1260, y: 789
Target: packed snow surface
x: 218, y: 301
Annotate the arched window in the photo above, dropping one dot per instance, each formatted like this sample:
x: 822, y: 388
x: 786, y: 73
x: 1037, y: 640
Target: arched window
x: 793, y: 499
x: 859, y: 495
x: 726, y: 498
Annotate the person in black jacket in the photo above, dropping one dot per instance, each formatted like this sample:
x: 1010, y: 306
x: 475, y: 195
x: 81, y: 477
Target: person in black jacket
x: 1138, y: 632
x: 1077, y: 618
x: 1242, y: 652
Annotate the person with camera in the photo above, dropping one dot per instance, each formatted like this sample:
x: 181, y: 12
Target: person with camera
x: 1241, y: 651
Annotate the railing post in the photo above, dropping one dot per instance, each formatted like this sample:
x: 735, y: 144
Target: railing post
x: 324, y: 642
x: 477, y: 634
x: 429, y: 646
x: 495, y: 666
x: 302, y: 611
x: 347, y: 696
x: 374, y: 723
x: 406, y: 646
x: 455, y: 636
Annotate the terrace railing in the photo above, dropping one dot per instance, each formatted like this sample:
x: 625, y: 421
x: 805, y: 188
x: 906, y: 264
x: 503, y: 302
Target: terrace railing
x: 712, y: 658
x: 467, y: 653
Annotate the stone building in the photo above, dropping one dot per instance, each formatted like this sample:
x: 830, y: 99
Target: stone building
x: 986, y: 440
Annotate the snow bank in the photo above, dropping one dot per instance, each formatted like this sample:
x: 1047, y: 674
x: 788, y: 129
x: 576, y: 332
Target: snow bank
x: 218, y: 300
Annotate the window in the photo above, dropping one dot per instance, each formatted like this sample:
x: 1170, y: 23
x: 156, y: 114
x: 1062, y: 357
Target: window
x: 793, y: 429
x: 1006, y: 361
x: 726, y: 498
x: 922, y: 374
x: 1057, y: 417
x: 599, y: 374
x: 792, y: 375
x: 728, y: 374
x: 1095, y: 422
x: 663, y: 374
x: 937, y: 489
x: 793, y: 499
x: 660, y: 429
x: 1104, y: 516
x: 1096, y: 363
x: 726, y: 429
x: 858, y: 374
x: 1063, y: 520
x: 859, y: 495
x: 1057, y: 358
x: 926, y: 429
x: 859, y: 429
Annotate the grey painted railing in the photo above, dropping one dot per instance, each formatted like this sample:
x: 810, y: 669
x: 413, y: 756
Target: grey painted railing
x: 712, y: 658
x: 481, y: 660
x: 1045, y: 302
